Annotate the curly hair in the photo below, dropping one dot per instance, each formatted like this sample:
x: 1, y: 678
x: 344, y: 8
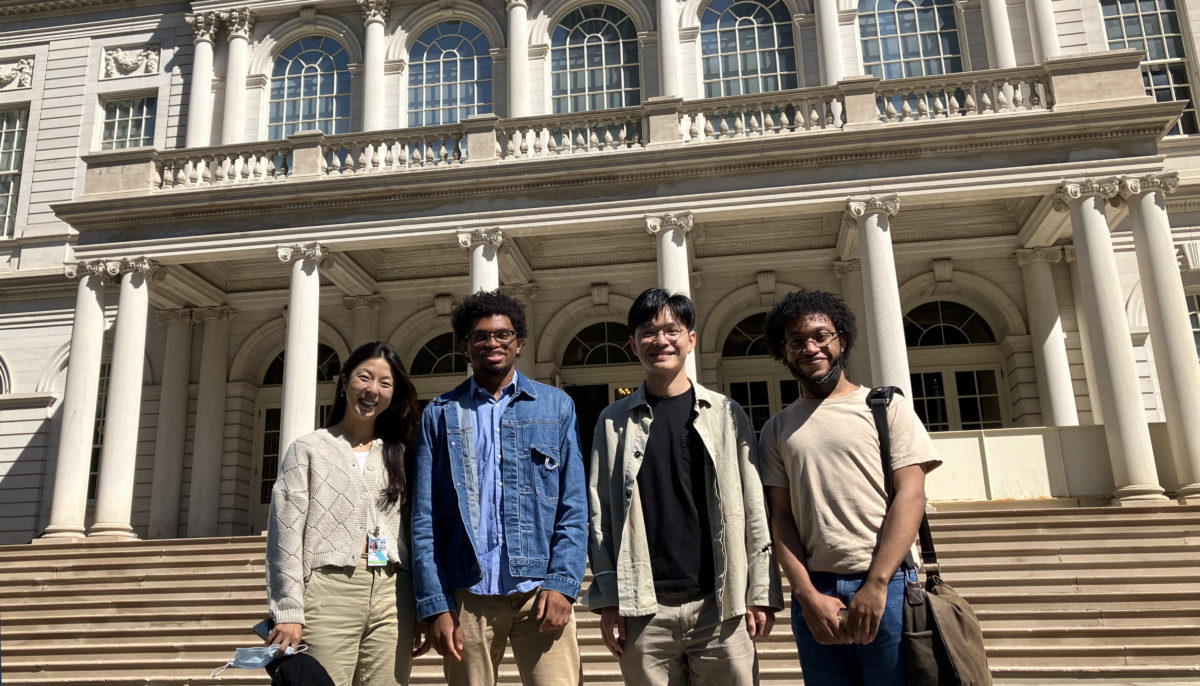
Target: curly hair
x: 487, y: 304
x: 804, y: 303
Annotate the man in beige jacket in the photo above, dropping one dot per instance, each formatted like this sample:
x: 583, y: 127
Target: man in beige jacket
x: 678, y: 531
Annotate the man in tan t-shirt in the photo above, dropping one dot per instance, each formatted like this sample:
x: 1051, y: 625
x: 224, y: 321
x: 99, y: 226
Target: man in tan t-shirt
x: 837, y: 539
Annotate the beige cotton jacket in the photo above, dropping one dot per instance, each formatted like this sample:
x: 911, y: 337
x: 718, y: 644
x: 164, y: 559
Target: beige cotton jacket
x: 745, y: 570
x: 323, y: 506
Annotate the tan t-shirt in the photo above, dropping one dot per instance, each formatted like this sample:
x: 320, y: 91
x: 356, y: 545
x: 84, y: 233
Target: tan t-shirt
x: 826, y: 452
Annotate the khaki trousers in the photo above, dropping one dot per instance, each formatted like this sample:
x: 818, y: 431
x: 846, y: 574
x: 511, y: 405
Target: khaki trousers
x: 359, y: 623
x: 489, y: 622
x: 685, y: 643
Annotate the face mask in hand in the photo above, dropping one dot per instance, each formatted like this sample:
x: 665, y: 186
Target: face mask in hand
x: 255, y: 658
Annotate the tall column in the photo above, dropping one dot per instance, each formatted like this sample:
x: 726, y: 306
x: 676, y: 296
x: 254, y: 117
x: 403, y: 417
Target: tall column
x: 240, y: 24
x: 1125, y: 425
x: 204, y: 490
x: 172, y: 422
x: 518, y: 58
x: 484, y: 245
x: 829, y: 42
x: 68, y: 505
x: 849, y: 273
x: 1044, y: 29
x: 300, y: 353
x: 1001, y: 53
x: 671, y: 230
x: 668, y: 49
x: 1049, y: 344
x: 365, y: 310
x: 200, y: 98
x: 881, y: 290
x: 1092, y: 371
x: 118, y: 454
x: 375, y: 13
x: 1170, y: 325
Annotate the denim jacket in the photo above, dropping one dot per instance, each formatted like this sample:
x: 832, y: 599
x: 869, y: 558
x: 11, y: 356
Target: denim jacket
x: 745, y: 568
x: 545, y: 501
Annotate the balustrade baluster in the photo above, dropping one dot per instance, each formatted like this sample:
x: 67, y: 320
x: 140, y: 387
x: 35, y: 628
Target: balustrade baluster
x: 429, y: 158
x: 1035, y: 96
x: 1018, y: 97
x: 1001, y: 98
x: 523, y: 133
x: 693, y: 128
x: 459, y: 149
x: 755, y: 128
x: 890, y: 110
x: 162, y: 174
x: 608, y: 137
x: 905, y: 107
x: 335, y: 163
x: 580, y: 142
x: 389, y: 156
x: 708, y: 127
x: 220, y: 176
x: 985, y: 99
x: 206, y: 175
x: 623, y: 135
x: 552, y: 138
x: 969, y: 102
x: 784, y: 123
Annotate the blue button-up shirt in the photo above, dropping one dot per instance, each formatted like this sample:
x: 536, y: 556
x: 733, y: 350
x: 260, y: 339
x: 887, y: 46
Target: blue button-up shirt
x: 493, y: 552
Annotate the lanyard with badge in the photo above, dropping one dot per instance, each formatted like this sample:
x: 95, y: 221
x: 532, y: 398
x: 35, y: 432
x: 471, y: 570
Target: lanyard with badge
x: 376, y: 549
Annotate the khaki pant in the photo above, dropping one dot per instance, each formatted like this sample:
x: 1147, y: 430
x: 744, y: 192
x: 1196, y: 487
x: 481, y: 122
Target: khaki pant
x: 359, y: 623
x: 687, y: 643
x: 489, y: 622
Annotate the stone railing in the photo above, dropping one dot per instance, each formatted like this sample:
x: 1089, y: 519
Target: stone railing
x: 1079, y: 83
x: 766, y: 114
x: 390, y: 151
x: 571, y: 134
x: 963, y: 95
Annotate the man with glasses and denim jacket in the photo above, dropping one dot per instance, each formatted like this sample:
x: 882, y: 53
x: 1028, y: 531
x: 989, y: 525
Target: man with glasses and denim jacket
x: 838, y: 540
x: 683, y: 575
x: 499, y: 511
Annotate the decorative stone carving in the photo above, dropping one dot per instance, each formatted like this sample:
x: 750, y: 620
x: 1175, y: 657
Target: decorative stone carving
x: 375, y: 10
x: 766, y: 282
x: 308, y: 15
x: 1051, y: 254
x: 943, y: 269
x: 239, y: 22
x: 119, y: 62
x: 521, y: 291
x: 1068, y: 252
x: 19, y: 72
x: 682, y: 221
x: 301, y: 251
x: 1071, y: 191
x: 84, y: 268
x: 862, y: 207
x: 205, y: 314
x: 847, y: 268
x: 1163, y: 183
x: 600, y: 294
x: 473, y: 237
x: 143, y: 265
x: 1191, y: 256
x: 354, y: 302
x: 204, y: 25
x: 174, y: 316
x: 443, y: 303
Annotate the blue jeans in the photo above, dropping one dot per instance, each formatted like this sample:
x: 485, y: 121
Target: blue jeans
x: 879, y: 663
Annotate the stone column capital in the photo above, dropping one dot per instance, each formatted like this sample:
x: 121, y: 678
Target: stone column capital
x: 1051, y: 254
x: 469, y: 238
x: 301, y: 251
x: 239, y: 22
x: 204, y: 25
x: 510, y: 5
x: 375, y: 10
x: 208, y: 314
x: 863, y: 207
x: 1071, y: 191
x: 181, y: 316
x: 1134, y: 185
x: 140, y: 265
x: 356, y: 302
x: 1068, y: 253
x: 847, y: 267
x: 85, y: 268
x: 521, y: 291
x: 680, y: 221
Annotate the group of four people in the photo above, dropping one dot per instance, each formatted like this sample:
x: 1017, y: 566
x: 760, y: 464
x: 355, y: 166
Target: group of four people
x: 468, y: 528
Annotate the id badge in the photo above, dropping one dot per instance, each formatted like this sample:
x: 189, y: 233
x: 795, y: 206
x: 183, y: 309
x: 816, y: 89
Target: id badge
x: 377, y: 551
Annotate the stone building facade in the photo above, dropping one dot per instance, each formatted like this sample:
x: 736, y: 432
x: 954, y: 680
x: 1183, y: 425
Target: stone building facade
x: 202, y: 203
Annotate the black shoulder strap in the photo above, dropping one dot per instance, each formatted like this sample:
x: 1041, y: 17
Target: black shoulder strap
x: 879, y: 398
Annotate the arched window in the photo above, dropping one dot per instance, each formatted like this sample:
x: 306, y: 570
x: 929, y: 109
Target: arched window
x: 328, y: 366
x: 1153, y: 26
x: 310, y: 88
x: 439, y: 356
x: 594, y: 61
x: 902, y: 38
x: 449, y: 74
x: 603, y: 343
x: 954, y: 389
x: 746, y: 339
x: 747, y: 47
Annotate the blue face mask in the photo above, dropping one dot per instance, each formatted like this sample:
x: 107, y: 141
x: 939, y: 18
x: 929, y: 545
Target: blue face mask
x: 255, y: 658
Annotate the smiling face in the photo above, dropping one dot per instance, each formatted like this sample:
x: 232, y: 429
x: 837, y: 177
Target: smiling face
x: 369, y: 388
x: 489, y: 355
x: 662, y: 344
x: 807, y: 360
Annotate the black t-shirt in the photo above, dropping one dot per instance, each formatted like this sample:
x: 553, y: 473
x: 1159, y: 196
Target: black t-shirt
x: 673, y: 490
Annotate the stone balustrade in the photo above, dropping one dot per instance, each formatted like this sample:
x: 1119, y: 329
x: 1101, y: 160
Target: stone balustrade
x: 221, y: 166
x: 765, y: 114
x: 571, y: 134
x: 964, y: 94
x: 391, y: 151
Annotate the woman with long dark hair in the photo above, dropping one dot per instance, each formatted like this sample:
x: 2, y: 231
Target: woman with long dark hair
x: 338, y: 571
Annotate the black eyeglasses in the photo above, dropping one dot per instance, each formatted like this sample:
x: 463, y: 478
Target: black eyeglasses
x: 822, y: 339
x: 503, y: 337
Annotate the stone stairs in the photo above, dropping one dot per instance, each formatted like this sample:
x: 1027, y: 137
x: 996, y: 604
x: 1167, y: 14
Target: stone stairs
x: 1066, y: 595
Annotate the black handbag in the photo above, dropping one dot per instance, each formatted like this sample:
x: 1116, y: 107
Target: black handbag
x: 942, y: 641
